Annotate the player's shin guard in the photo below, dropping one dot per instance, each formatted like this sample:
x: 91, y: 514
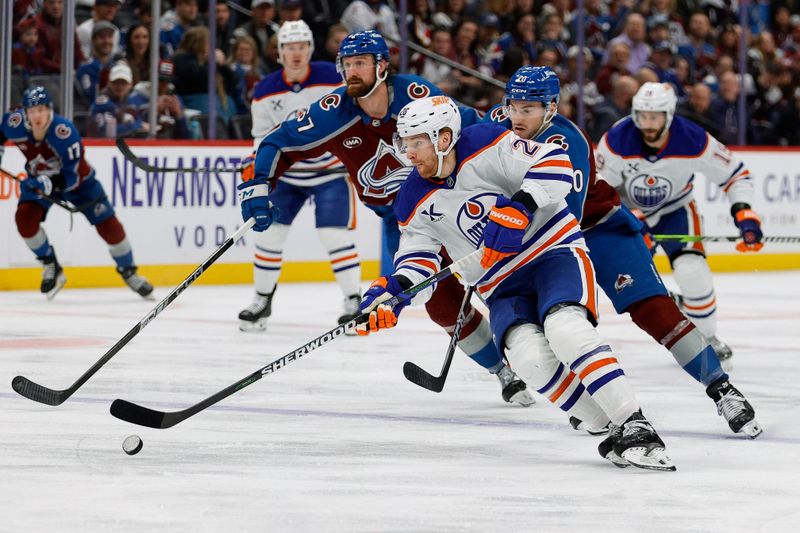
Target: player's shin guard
x: 660, y: 317
x: 693, y: 276
x: 39, y: 244
x: 576, y: 343
x: 528, y: 351
x: 268, y: 257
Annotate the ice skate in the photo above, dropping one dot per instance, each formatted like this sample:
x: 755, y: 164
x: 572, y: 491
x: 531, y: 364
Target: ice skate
x: 578, y: 425
x: 639, y: 444
x: 137, y: 283
x: 53, y: 278
x: 254, y: 317
x: 514, y: 389
x: 351, y: 310
x: 724, y: 353
x: 732, y: 405
x: 606, y: 447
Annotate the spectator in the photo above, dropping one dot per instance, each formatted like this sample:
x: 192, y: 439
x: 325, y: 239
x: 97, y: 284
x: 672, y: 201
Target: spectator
x: 261, y: 28
x: 187, y: 15
x: 595, y: 26
x: 172, y: 123
x: 225, y: 27
x: 661, y: 63
x: 102, y: 10
x: 113, y: 112
x: 553, y: 35
x: 616, y: 65
x: 289, y: 10
x: 435, y: 72
x: 486, y: 45
x: 191, y: 75
x: 336, y: 35
x: 371, y: 15
x: 728, y: 42
x: 724, y: 64
x: 726, y: 110
x: 420, y: 26
x: 137, y: 52
x: 244, y: 62
x: 781, y: 23
x: 522, y: 35
x: 698, y: 50
x: 451, y: 14
x: 697, y: 108
x: 92, y: 76
x: 523, y: 7
x: 465, y: 42
x: 614, y: 107
x: 569, y: 83
x: 27, y: 56
x: 48, y: 26
x: 548, y: 58
x: 633, y: 36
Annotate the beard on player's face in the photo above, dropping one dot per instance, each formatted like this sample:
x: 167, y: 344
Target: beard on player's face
x: 358, y: 87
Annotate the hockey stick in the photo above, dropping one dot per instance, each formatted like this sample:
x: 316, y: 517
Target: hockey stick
x: 61, y: 203
x: 147, y: 167
x: 716, y: 238
x: 144, y: 416
x: 418, y: 376
x: 39, y: 393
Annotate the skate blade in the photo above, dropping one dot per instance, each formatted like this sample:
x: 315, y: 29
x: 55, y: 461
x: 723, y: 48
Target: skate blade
x: 616, y: 460
x: 654, y: 459
x: 60, y: 282
x: 523, y: 398
x: 752, y: 429
x: 252, y: 327
x: 150, y: 297
x: 726, y: 364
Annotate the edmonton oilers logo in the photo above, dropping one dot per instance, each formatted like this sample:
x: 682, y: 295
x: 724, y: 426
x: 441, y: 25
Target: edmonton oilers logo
x: 473, y: 215
x: 648, y: 190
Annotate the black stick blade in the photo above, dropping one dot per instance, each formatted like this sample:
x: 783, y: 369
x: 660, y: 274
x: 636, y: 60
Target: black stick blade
x: 137, y: 414
x: 34, y: 391
x: 420, y: 377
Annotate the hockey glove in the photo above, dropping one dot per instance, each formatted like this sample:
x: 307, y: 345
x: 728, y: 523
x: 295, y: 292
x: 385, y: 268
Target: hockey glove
x: 249, y: 167
x: 254, y: 198
x: 381, y: 316
x: 647, y: 234
x: 749, y: 225
x: 502, y: 236
x: 39, y: 185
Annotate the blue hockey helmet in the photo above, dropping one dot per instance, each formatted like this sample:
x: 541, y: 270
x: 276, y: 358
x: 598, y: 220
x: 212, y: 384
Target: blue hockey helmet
x: 36, y: 95
x: 364, y: 42
x: 533, y: 84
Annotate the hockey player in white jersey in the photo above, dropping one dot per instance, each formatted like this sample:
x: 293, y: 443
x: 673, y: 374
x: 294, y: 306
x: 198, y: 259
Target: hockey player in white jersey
x: 652, y: 157
x: 279, y: 96
x: 488, y: 187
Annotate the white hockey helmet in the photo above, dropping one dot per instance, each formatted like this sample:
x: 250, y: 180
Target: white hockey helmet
x: 295, y: 31
x: 428, y: 116
x: 653, y: 96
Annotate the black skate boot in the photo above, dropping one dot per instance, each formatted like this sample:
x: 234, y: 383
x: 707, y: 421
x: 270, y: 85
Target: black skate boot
x: 351, y: 310
x: 732, y: 405
x: 639, y: 444
x: 53, y: 278
x: 514, y: 389
x: 606, y: 447
x: 724, y: 353
x: 254, y: 317
x: 578, y: 425
x: 137, y: 283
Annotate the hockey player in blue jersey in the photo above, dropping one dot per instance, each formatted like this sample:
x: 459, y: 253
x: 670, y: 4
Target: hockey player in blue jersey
x: 356, y: 123
x: 652, y: 157
x: 622, y: 260
x: 57, y: 168
x: 496, y: 191
x: 281, y: 95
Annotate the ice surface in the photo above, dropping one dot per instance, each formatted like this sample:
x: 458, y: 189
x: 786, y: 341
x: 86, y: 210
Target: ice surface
x: 339, y: 441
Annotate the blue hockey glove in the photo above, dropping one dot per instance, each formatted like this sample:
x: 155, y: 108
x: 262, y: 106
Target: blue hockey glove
x: 38, y: 185
x: 254, y: 199
x: 502, y: 236
x: 381, y: 316
x: 749, y: 225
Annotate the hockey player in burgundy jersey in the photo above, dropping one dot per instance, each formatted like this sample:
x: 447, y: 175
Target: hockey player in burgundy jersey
x: 622, y: 260
x: 356, y: 124
x: 277, y: 97
x: 57, y: 168
x: 493, y: 189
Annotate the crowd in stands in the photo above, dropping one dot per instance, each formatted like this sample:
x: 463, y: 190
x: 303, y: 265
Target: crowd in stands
x: 691, y: 44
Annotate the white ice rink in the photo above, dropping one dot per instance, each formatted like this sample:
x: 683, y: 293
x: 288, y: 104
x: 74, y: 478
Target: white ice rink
x: 339, y: 441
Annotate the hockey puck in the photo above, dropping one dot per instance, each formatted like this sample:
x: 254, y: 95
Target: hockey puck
x: 132, y: 444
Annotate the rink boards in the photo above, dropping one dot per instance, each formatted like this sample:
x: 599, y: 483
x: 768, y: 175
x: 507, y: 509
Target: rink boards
x: 175, y: 220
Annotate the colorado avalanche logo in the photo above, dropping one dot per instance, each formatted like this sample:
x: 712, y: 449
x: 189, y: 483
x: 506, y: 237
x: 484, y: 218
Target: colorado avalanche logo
x: 417, y: 90
x: 559, y: 140
x: 473, y: 215
x: 649, y: 191
x: 330, y: 101
x: 39, y: 166
x: 14, y: 119
x: 63, y: 131
x: 498, y: 114
x: 383, y: 174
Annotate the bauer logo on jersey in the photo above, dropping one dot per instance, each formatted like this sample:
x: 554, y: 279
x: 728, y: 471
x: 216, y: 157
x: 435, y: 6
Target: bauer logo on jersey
x: 14, y: 119
x: 473, y: 216
x: 417, y: 90
x: 623, y: 280
x: 649, y: 191
x: 383, y: 174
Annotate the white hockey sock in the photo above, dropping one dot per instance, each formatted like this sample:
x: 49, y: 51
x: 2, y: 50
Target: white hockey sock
x: 577, y: 344
x: 269, y: 257
x: 344, y: 258
x: 531, y: 357
x: 693, y: 276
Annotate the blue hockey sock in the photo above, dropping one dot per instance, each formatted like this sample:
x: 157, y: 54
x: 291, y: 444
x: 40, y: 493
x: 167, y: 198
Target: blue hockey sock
x: 705, y: 367
x: 122, y: 253
x: 39, y: 244
x: 488, y: 358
